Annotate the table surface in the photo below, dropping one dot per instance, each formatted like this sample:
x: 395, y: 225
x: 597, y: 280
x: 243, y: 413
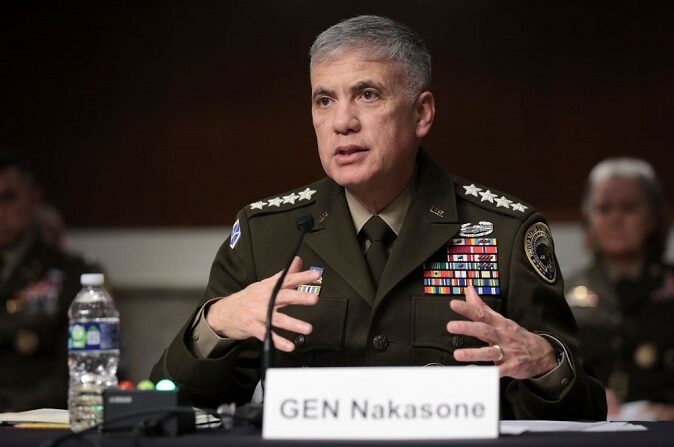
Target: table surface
x: 658, y: 434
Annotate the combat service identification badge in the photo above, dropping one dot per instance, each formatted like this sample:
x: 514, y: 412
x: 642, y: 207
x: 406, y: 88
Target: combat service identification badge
x: 482, y: 228
x: 540, y: 251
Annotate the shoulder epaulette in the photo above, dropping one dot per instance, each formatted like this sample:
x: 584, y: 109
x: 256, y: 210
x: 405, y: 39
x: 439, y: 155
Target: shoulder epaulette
x: 492, y: 199
x: 283, y: 202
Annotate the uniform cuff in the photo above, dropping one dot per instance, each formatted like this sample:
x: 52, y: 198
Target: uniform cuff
x: 202, y: 341
x: 552, y: 384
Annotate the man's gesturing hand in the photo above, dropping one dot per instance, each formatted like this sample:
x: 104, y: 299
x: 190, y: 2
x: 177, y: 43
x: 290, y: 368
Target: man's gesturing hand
x: 519, y: 354
x: 242, y: 315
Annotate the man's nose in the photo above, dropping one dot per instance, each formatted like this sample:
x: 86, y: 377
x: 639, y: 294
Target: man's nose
x: 345, y: 119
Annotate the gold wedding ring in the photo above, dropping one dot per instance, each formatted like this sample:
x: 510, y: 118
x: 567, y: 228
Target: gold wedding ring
x: 500, y: 353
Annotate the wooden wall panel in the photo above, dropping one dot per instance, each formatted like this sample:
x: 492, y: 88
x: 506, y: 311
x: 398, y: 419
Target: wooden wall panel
x: 177, y: 114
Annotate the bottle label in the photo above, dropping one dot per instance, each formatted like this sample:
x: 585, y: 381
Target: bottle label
x: 93, y: 336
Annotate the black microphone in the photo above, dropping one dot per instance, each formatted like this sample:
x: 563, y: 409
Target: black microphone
x: 251, y: 413
x: 305, y: 222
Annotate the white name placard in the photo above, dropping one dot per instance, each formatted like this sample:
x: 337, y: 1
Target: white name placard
x: 381, y: 403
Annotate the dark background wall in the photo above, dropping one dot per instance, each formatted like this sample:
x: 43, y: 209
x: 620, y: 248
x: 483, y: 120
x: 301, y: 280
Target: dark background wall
x: 179, y: 113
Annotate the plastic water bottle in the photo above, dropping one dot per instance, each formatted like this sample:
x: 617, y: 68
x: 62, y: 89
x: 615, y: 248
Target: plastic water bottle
x: 93, y: 351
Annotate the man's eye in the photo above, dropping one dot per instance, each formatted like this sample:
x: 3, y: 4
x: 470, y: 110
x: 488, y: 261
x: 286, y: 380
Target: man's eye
x: 323, y: 101
x: 369, y: 95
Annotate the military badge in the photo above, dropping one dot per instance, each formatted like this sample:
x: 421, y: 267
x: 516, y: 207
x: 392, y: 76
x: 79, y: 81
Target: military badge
x: 540, y: 251
x: 236, y: 234
x: 314, y: 288
x: 437, y: 211
x: 482, y: 228
x: 467, y: 261
x: 39, y: 297
x: 282, y: 200
x: 581, y: 296
x: 26, y: 342
x: 646, y: 355
x: 321, y: 218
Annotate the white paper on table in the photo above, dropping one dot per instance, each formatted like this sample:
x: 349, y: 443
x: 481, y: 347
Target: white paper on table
x: 519, y: 427
x: 55, y: 416
x: 43, y: 415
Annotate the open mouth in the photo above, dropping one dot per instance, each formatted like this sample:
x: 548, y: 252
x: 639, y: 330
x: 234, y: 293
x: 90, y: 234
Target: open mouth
x: 345, y: 151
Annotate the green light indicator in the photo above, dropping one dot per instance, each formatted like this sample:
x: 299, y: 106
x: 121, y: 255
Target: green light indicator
x: 165, y: 385
x: 145, y: 385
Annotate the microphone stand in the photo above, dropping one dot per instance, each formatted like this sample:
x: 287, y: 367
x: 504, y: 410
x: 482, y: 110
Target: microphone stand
x: 252, y: 412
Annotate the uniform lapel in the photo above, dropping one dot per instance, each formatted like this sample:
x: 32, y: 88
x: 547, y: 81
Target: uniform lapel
x: 334, y: 240
x: 431, y: 221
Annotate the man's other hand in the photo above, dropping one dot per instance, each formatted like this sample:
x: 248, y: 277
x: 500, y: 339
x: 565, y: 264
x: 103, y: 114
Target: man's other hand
x: 518, y: 353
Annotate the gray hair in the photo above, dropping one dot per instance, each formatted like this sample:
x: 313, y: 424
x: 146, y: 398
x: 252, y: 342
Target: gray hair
x: 643, y: 172
x: 379, y: 38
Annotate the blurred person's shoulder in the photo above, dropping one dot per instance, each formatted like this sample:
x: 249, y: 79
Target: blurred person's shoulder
x: 58, y: 258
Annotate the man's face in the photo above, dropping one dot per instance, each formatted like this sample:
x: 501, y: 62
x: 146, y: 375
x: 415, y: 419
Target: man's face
x: 17, y: 205
x: 366, y: 126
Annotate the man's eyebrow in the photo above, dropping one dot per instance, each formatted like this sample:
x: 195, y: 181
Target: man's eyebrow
x: 320, y: 91
x: 367, y: 83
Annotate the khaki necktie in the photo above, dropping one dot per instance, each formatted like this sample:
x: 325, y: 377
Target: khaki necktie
x: 380, y: 236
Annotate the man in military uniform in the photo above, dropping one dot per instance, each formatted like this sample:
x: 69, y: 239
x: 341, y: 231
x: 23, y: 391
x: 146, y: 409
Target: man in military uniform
x: 624, y: 300
x: 37, y: 284
x: 398, y: 259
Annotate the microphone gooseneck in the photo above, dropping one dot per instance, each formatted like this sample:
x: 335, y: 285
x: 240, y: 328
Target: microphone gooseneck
x: 305, y: 222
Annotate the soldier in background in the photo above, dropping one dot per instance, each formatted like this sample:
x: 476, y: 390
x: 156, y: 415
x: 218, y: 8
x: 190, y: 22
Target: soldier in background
x: 624, y: 300
x: 37, y: 283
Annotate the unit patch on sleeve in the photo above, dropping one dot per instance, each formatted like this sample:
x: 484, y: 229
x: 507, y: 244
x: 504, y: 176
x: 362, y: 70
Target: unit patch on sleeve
x: 540, y: 251
x: 236, y: 234
x: 468, y: 261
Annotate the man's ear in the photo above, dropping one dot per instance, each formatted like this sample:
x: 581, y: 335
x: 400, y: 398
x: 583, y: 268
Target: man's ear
x: 425, y: 108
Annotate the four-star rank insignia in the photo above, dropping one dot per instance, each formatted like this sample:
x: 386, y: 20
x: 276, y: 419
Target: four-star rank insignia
x: 276, y: 202
x: 540, y: 251
x: 467, y: 261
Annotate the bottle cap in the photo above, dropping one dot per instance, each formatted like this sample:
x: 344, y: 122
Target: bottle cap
x: 92, y: 279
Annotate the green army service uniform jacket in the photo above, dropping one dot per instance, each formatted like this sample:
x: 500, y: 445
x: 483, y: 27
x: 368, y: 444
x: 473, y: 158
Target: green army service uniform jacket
x: 401, y: 323
x: 34, y: 328
x: 626, y: 328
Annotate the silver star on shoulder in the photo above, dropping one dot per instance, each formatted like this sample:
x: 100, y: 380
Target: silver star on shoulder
x: 472, y: 190
x: 488, y: 196
x: 306, y: 194
x: 503, y: 202
x: 290, y: 198
x: 257, y: 205
x: 276, y: 201
x: 518, y: 207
